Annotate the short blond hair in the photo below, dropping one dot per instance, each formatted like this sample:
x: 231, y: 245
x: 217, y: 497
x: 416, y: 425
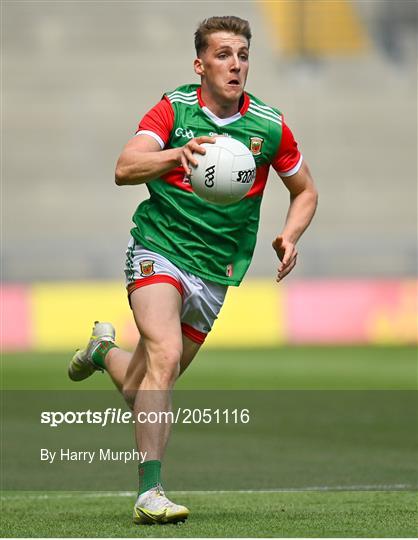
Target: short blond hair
x: 232, y: 24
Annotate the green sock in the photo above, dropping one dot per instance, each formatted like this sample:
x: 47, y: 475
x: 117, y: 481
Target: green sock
x: 100, y: 353
x: 149, y: 475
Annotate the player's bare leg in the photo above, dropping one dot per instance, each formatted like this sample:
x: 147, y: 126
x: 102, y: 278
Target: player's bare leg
x: 146, y: 374
x: 156, y: 310
x: 135, y: 371
x: 117, y: 362
x: 157, y: 314
x: 125, y: 368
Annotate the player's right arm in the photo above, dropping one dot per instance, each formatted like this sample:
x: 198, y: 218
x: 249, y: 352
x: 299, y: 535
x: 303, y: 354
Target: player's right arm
x: 145, y: 157
x: 142, y: 159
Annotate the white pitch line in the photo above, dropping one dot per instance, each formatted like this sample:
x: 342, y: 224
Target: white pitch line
x: 387, y: 487
x: 101, y: 494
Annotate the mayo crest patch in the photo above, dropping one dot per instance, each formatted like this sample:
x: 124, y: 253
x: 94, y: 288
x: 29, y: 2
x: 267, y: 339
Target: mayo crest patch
x: 147, y: 268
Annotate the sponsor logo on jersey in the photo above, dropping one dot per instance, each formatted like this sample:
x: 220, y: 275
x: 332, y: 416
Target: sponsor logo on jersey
x: 229, y: 270
x: 256, y: 144
x: 147, y: 268
x: 214, y: 134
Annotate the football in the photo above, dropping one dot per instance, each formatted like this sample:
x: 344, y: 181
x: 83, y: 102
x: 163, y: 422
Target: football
x: 225, y: 174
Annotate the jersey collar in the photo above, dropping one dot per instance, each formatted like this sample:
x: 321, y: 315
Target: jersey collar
x: 223, y: 121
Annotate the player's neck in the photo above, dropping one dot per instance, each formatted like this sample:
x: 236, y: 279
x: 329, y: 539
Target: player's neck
x: 221, y: 110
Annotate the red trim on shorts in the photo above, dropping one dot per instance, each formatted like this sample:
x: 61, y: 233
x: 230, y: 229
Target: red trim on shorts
x: 193, y: 334
x: 159, y: 278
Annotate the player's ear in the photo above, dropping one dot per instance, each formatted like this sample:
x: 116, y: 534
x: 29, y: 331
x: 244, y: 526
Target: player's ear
x: 198, y: 66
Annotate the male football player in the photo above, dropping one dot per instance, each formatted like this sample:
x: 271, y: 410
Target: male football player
x: 185, y: 252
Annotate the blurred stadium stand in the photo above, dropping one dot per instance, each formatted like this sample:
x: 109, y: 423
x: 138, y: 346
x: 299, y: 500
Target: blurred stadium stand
x: 78, y: 76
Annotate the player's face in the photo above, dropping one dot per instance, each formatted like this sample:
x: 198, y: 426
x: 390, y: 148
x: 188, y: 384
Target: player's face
x: 223, y: 66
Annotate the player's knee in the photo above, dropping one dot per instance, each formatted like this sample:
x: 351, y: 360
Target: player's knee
x: 164, y: 366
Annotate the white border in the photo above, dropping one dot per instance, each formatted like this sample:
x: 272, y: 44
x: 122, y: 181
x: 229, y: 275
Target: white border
x: 294, y: 170
x: 153, y: 135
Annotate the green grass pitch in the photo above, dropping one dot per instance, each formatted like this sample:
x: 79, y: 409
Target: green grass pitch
x: 361, y: 511
x: 313, y: 514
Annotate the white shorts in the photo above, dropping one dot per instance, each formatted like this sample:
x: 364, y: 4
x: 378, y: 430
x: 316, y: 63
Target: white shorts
x: 202, y: 299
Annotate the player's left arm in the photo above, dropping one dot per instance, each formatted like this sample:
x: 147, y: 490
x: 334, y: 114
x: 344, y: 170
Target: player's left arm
x: 303, y: 202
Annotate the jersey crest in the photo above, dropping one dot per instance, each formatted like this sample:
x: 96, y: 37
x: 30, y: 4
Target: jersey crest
x: 256, y: 145
x: 147, y: 268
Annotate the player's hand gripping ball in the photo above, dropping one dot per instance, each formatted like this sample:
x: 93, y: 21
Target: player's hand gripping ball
x: 225, y: 174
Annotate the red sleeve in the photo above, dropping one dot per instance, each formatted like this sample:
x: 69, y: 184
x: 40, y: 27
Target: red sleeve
x: 288, y: 159
x: 158, y: 122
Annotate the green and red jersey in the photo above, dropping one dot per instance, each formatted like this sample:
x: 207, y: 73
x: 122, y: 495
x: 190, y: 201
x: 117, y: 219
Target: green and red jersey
x: 210, y: 241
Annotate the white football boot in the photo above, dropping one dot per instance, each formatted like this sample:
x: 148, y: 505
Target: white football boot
x: 154, y: 507
x: 82, y: 365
